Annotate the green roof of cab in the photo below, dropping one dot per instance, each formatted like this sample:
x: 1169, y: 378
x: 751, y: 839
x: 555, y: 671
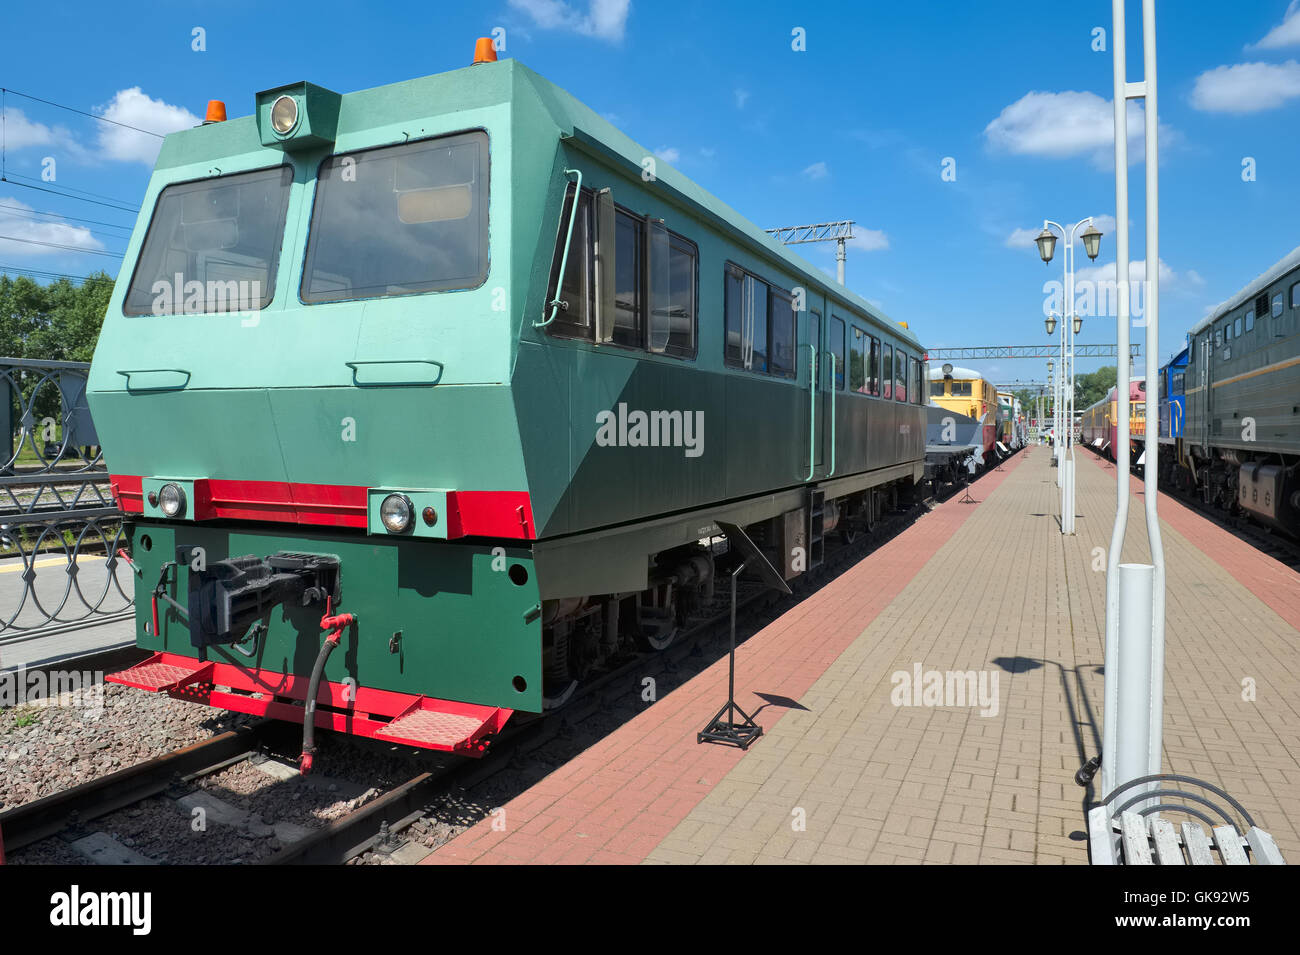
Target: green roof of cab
x: 363, y: 113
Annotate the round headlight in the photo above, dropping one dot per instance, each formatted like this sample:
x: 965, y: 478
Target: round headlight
x: 171, y: 500
x: 396, y: 513
x: 284, y: 114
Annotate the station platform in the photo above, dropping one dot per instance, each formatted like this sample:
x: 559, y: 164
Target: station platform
x: 852, y: 768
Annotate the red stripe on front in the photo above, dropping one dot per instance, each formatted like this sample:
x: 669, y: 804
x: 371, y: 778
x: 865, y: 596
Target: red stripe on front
x: 128, y: 493
x: 470, y: 513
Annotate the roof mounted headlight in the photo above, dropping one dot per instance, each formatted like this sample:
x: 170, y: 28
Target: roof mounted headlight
x: 396, y: 513
x: 284, y: 114
x: 171, y: 500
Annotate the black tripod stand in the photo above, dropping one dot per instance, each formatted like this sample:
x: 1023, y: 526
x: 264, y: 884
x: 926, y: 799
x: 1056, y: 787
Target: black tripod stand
x: 724, y: 727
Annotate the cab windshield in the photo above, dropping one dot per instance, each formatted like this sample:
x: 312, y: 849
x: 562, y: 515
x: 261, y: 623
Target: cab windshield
x: 213, y: 245
x: 400, y: 220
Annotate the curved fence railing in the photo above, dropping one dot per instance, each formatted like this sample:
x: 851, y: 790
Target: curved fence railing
x: 60, y: 530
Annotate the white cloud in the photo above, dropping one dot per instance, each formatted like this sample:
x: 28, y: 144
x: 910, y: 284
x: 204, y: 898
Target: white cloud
x: 1286, y: 33
x: 1246, y: 87
x: 817, y: 170
x: 21, y: 131
x: 708, y: 152
x: 868, y: 240
x: 668, y: 153
x: 741, y: 96
x: 133, y: 108
x: 1169, y: 279
x: 33, y: 229
x: 1061, y: 125
x: 604, y: 19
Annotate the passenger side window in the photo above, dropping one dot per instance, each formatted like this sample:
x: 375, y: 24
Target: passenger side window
x: 900, y: 376
x: 656, y: 283
x: 887, y: 372
x: 783, y: 334
x: 628, y: 256
x: 873, y: 369
x: 837, y: 349
x: 1276, y: 307
x: 1250, y: 317
x: 857, y: 362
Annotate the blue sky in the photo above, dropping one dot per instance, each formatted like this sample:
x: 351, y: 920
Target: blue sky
x: 858, y: 125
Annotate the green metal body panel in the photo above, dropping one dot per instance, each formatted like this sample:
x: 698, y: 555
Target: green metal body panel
x: 461, y: 615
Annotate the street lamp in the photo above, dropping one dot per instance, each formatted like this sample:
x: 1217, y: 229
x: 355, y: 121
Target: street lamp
x: 1091, y: 242
x: 1071, y: 325
x: 1046, y: 244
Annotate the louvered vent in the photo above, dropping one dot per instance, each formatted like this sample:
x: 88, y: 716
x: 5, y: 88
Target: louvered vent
x: 1261, y: 306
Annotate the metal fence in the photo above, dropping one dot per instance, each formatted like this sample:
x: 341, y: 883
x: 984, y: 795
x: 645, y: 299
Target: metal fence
x: 59, y: 528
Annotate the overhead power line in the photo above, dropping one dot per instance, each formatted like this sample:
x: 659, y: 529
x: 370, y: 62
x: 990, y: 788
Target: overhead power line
x: 65, y: 195
x: 56, y: 245
x: 80, y: 112
x: 29, y: 213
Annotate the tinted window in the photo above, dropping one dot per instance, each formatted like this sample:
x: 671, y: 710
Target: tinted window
x: 783, y: 334
x: 734, y: 293
x: 900, y: 376
x: 887, y: 372
x: 873, y: 367
x: 837, y: 349
x: 681, y: 298
x: 219, y: 238
x: 758, y: 297
x: 400, y: 220
x: 627, y: 280
x: 857, y: 362
x: 936, y: 389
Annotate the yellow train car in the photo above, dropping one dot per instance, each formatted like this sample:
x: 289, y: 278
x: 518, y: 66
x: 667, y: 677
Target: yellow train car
x: 967, y: 392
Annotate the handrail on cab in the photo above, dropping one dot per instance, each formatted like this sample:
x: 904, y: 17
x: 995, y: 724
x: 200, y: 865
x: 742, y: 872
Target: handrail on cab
x: 835, y: 386
x: 564, y: 258
x: 155, y: 379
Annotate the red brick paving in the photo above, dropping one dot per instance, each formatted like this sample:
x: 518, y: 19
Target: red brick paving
x: 618, y: 800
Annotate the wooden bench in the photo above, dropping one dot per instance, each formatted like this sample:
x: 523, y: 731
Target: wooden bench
x: 1130, y: 831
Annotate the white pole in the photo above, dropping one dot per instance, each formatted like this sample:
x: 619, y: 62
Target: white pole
x: 1135, y: 593
x: 1151, y: 474
x: 1109, y: 770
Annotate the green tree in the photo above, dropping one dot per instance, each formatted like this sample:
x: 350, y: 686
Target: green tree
x: 1093, y: 386
x: 55, y: 322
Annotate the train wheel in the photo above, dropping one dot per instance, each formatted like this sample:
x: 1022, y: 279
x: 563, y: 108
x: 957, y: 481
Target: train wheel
x: 553, y: 699
x: 662, y: 639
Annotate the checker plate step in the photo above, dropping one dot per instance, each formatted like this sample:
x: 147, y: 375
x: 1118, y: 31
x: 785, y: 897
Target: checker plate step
x: 159, y: 673
x: 444, y: 725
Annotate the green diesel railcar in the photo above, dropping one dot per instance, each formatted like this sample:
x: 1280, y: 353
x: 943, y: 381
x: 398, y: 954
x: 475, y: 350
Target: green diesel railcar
x: 459, y: 373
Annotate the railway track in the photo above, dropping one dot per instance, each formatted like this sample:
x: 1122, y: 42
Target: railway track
x: 52, y: 815
x: 376, y: 826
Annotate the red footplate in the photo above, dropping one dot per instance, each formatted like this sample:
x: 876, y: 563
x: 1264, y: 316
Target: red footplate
x: 446, y: 725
